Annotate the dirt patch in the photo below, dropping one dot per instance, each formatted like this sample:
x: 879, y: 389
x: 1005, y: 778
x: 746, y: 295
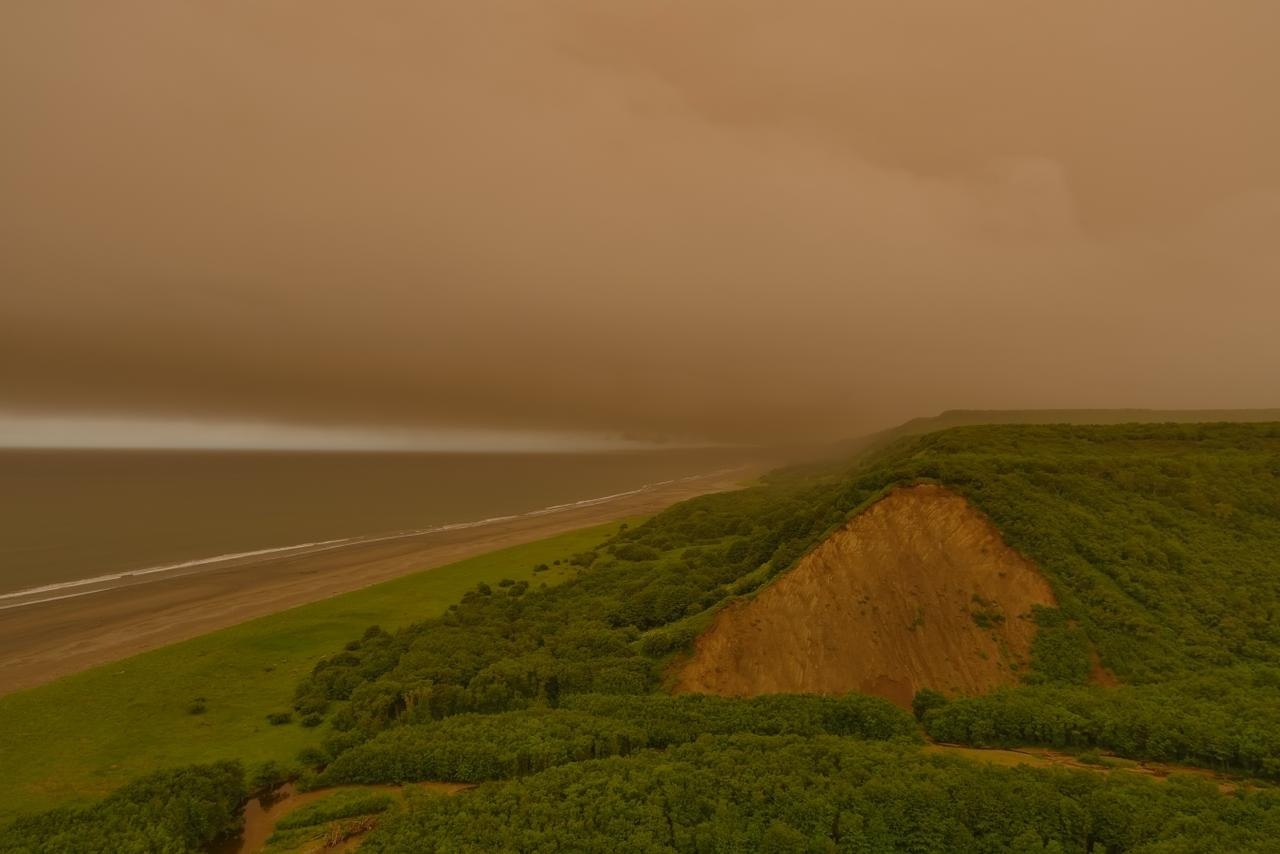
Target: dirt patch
x: 918, y: 591
x: 262, y: 814
x: 1043, y: 757
x: 1099, y: 675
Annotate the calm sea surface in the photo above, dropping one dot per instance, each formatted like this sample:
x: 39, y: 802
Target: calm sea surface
x: 80, y: 514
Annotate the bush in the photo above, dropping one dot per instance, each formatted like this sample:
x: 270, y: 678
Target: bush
x: 1060, y: 651
x: 751, y: 793
x: 314, y: 757
x: 668, y: 720
x: 474, y: 748
x: 925, y: 701
x: 269, y: 776
x: 635, y: 552
x: 1217, y: 722
x: 336, y: 806
x: 668, y: 639
x: 279, y: 718
x: 181, y: 811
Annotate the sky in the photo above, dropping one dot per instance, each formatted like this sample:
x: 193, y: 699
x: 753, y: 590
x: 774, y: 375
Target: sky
x: 693, y: 220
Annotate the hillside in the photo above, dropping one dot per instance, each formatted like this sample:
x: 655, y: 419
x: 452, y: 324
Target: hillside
x: 1098, y: 417
x: 1151, y: 552
x: 953, y: 418
x: 917, y: 591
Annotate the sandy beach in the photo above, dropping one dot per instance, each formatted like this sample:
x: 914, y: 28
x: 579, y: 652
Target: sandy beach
x: 42, y: 641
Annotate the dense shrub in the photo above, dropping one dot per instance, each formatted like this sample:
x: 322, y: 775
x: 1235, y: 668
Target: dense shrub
x: 472, y: 748
x: 1227, y: 721
x: 925, y: 701
x: 336, y: 806
x: 1159, y: 542
x: 670, y: 720
x: 270, y: 775
x: 790, y: 794
x: 173, y: 811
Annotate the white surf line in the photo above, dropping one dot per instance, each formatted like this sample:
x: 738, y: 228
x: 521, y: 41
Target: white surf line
x: 53, y: 599
x: 318, y: 546
x: 169, y: 567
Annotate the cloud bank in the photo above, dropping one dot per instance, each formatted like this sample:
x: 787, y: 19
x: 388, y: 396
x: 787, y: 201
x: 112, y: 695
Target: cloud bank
x: 726, y: 220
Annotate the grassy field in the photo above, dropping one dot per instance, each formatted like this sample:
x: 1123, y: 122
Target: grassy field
x: 82, y: 736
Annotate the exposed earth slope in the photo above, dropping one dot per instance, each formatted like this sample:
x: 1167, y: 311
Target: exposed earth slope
x: 918, y: 591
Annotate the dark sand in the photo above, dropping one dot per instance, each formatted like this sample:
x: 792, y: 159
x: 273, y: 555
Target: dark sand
x: 41, y: 642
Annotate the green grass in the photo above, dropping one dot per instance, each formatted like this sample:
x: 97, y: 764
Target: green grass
x: 80, y: 737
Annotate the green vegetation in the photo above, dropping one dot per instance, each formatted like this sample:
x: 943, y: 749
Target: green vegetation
x: 675, y: 720
x: 207, y: 699
x: 343, y: 804
x: 336, y: 817
x: 1207, y: 721
x: 1159, y: 542
x: 1060, y: 651
x: 1092, y: 417
x: 790, y: 794
x: 171, y: 811
x: 473, y: 748
x: 1162, y: 545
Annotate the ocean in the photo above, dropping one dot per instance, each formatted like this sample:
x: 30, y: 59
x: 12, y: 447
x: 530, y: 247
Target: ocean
x: 67, y: 516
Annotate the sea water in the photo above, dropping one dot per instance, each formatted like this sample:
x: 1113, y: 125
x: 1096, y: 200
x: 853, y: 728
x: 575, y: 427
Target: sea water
x: 67, y: 517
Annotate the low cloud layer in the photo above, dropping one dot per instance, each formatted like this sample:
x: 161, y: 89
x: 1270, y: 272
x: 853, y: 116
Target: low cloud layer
x: 733, y: 220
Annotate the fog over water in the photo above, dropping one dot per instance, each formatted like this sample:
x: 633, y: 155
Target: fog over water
x: 710, y: 220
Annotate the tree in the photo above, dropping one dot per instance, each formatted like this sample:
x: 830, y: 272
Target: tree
x: 925, y: 700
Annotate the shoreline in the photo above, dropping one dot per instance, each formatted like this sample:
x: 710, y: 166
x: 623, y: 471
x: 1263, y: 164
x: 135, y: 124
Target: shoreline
x: 130, y: 577
x: 47, y: 638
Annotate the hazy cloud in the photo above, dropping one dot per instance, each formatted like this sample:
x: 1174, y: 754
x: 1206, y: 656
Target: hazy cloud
x: 726, y: 219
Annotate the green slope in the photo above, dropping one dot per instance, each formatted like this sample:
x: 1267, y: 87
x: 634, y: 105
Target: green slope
x: 85, y: 735
x: 1099, y: 417
x: 1045, y: 417
x: 1162, y: 543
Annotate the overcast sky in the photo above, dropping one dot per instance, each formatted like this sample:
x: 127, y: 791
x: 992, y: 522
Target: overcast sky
x: 723, y: 219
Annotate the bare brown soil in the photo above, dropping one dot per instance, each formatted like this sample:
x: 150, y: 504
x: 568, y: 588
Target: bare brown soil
x: 917, y: 591
x: 1098, y: 674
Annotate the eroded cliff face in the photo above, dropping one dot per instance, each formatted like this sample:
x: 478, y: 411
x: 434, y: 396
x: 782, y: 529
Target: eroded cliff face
x: 917, y: 591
